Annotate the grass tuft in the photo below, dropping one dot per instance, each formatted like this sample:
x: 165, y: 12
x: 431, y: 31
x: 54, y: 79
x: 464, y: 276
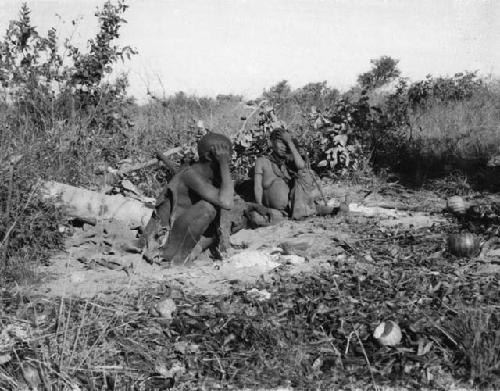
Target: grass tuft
x: 477, y: 334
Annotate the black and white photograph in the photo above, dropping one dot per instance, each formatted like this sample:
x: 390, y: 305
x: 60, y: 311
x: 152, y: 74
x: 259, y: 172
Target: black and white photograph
x: 249, y: 195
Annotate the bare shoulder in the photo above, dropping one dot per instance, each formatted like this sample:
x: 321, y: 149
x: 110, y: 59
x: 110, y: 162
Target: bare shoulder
x: 261, y: 165
x: 197, y: 172
x: 262, y: 161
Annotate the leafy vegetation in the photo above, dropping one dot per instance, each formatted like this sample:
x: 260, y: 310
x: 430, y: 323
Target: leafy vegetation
x: 62, y: 115
x: 384, y: 70
x: 29, y: 228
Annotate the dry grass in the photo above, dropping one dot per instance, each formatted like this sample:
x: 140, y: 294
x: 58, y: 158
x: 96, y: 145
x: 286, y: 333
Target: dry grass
x: 466, y: 130
x: 476, y: 332
x: 453, y: 139
x: 168, y: 121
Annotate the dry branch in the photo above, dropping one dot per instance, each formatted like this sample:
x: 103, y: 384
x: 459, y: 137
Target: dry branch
x: 243, y: 126
x: 147, y: 164
x: 167, y: 162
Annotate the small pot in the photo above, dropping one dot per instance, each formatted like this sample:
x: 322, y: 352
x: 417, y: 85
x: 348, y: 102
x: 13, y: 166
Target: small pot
x: 388, y: 333
x: 456, y: 205
x: 463, y: 244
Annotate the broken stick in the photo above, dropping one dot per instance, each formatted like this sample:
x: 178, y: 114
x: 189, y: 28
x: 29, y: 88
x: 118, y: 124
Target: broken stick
x: 147, y: 164
x: 167, y: 162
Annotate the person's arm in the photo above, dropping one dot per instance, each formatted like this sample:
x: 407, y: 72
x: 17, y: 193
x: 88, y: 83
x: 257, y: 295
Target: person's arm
x: 223, y: 197
x: 297, y: 159
x: 226, y: 194
x: 257, y: 180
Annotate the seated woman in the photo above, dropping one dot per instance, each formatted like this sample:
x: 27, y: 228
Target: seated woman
x: 283, y: 182
x: 186, y: 220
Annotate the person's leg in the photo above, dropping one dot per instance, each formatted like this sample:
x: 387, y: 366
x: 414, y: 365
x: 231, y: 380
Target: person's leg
x: 187, y: 230
x: 258, y: 218
x: 232, y: 221
x: 226, y: 219
x: 202, y: 245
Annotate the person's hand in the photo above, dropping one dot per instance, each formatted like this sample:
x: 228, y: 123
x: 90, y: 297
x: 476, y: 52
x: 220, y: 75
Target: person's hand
x: 286, y: 137
x: 220, y: 152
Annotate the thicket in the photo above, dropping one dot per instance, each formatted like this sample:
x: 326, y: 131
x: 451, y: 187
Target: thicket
x: 425, y: 129
x: 432, y: 127
x: 173, y: 120
x: 60, y: 113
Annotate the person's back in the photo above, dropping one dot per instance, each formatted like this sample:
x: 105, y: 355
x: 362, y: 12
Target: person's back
x: 186, y: 197
x: 191, y: 201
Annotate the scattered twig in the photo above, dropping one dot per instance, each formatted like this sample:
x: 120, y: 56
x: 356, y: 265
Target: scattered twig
x: 147, y: 164
x: 366, y: 358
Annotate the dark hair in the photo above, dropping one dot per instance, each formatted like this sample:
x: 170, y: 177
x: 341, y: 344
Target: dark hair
x: 209, y: 140
x: 276, y: 133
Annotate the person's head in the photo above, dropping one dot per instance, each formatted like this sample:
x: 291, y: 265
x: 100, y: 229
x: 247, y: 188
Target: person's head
x: 277, y: 143
x: 208, y: 141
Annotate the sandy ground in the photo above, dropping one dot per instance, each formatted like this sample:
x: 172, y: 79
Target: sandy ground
x: 101, y: 259
x: 94, y: 265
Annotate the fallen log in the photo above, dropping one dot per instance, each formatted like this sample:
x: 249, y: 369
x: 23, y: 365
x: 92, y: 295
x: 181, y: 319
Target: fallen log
x: 88, y: 205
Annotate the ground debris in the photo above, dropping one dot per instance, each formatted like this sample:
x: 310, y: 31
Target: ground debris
x: 303, y: 331
x: 298, y: 310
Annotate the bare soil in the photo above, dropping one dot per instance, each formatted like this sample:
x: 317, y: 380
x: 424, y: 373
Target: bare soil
x: 101, y: 259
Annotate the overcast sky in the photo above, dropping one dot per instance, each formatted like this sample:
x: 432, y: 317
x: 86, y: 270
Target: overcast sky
x: 209, y: 47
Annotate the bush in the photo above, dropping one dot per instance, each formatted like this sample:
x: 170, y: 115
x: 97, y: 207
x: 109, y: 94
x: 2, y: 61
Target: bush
x: 434, y: 127
x: 292, y: 106
x: 60, y: 101
x: 438, y: 126
x: 29, y: 226
x: 64, y: 115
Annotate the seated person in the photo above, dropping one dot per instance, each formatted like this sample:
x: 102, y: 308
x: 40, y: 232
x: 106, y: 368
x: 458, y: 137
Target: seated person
x: 186, y: 220
x: 283, y: 182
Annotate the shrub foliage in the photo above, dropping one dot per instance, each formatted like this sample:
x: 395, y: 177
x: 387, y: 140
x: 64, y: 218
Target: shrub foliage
x: 62, y: 113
